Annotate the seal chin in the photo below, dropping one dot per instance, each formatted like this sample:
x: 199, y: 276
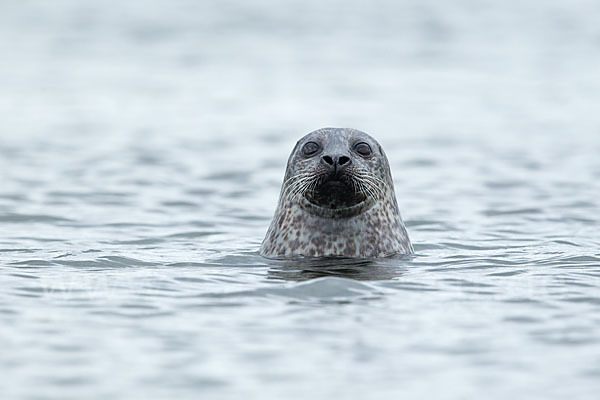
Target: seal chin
x: 335, y: 198
x: 344, y: 212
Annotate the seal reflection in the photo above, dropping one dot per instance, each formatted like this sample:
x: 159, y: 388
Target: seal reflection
x: 361, y: 269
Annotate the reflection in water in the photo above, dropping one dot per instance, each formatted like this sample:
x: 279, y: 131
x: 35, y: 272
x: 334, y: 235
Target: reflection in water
x: 359, y: 269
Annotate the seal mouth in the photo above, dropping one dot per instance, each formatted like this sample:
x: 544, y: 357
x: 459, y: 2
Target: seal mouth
x: 335, y: 192
x: 336, y: 196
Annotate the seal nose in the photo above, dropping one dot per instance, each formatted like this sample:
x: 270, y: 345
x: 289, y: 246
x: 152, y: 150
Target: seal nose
x: 336, y: 162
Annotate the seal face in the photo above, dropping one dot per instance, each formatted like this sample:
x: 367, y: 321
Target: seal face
x: 337, y: 199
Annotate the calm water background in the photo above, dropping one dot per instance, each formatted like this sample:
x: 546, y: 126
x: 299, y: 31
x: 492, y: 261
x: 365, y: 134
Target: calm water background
x: 142, y: 146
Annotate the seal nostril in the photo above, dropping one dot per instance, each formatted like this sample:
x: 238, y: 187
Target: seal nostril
x: 343, y: 160
x: 328, y: 160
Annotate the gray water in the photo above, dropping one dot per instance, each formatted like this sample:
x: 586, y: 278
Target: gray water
x: 142, y: 147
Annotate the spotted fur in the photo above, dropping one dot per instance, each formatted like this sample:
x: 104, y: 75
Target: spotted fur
x: 371, y: 228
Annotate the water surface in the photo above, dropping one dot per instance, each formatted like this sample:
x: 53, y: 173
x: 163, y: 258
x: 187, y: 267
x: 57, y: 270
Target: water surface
x: 142, y: 148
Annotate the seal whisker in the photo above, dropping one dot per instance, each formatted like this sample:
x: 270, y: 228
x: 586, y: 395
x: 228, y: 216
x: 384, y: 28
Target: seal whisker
x: 369, y: 189
x: 369, y: 184
x: 375, y: 189
x: 295, y: 183
x: 301, y: 186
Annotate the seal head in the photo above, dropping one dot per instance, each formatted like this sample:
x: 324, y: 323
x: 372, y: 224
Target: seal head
x: 337, y: 199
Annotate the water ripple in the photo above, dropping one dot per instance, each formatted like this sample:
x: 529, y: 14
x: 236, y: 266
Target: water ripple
x: 32, y: 218
x: 142, y: 153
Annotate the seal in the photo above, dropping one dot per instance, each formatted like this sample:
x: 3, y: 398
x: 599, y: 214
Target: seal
x: 337, y: 200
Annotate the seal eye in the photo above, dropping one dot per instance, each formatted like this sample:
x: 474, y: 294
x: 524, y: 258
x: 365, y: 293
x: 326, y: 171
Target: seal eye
x: 363, y: 149
x: 310, y: 148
